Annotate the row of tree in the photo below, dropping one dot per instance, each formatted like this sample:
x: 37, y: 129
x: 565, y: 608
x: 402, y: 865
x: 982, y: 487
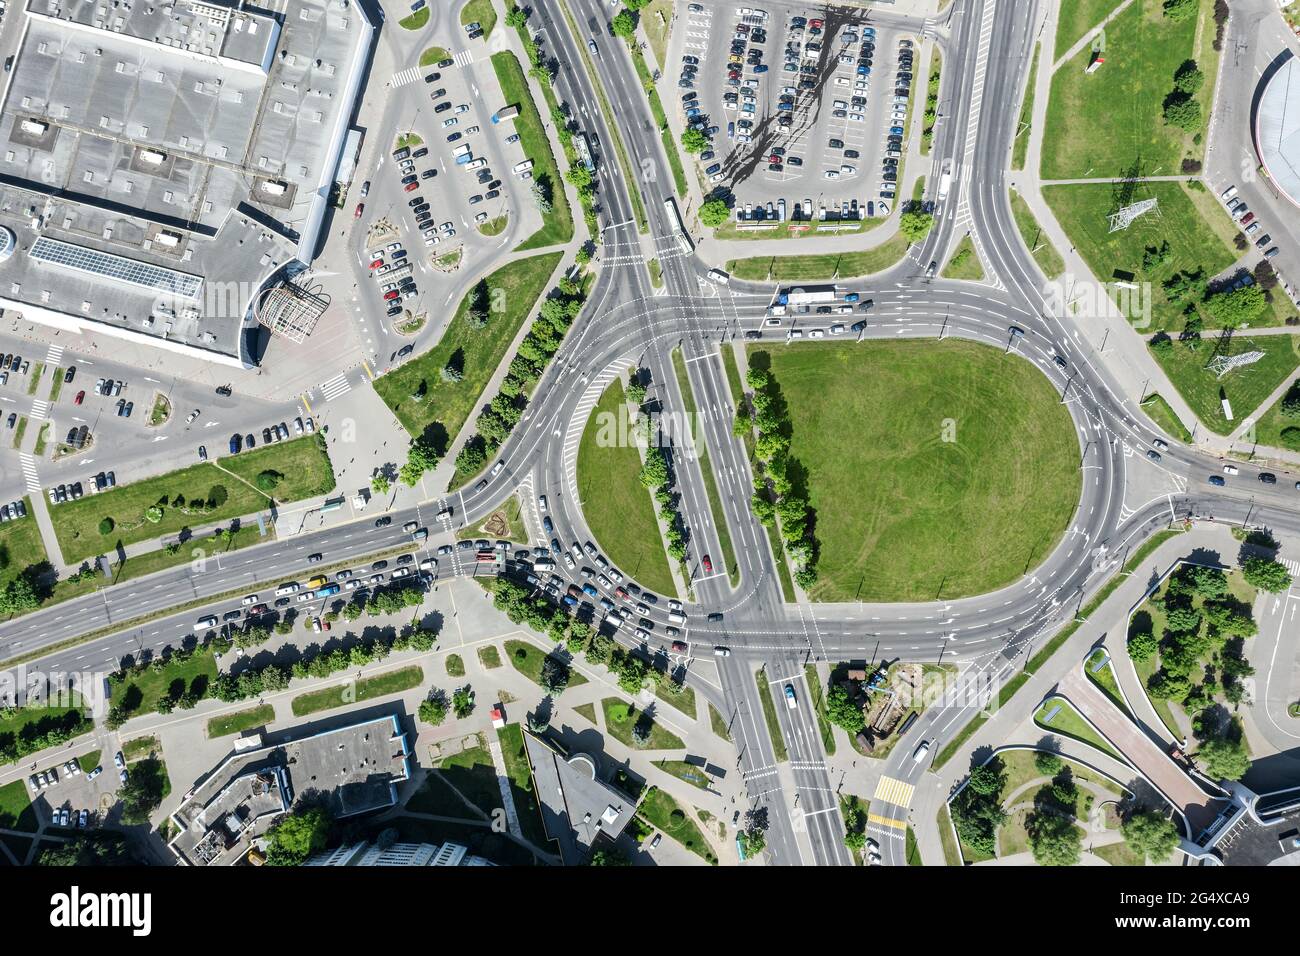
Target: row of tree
x: 774, y: 493
x: 658, y: 478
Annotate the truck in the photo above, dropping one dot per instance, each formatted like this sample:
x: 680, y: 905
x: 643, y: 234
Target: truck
x: 505, y: 113
x: 805, y: 295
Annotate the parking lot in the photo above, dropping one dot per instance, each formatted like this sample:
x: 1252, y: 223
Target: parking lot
x: 75, y: 796
x: 451, y: 171
x: 805, y: 107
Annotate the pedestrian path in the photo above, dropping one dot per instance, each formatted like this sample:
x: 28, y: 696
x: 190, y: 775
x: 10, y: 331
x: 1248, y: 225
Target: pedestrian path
x: 336, y: 386
x: 503, y: 781
x: 402, y: 77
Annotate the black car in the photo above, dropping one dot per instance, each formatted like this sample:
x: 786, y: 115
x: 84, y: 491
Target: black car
x: 428, y: 174
x: 316, y: 558
x: 442, y: 107
x: 794, y: 161
x: 416, y: 201
x: 379, y: 566
x: 1268, y: 478
x: 67, y: 376
x: 395, y: 310
x: 383, y: 522
x: 452, y: 137
x: 437, y: 94
x: 443, y: 64
x: 405, y: 559
x: 421, y: 152
x: 492, y: 194
x: 433, y: 78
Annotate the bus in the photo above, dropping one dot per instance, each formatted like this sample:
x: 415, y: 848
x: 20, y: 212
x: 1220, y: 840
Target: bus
x: 675, y: 220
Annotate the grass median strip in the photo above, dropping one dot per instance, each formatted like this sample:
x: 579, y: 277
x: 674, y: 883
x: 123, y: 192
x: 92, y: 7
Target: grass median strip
x: 357, y: 691
x: 1040, y: 247
x: 826, y: 266
x: 1023, y: 128
x: 769, y: 715
x: 241, y: 720
x: 1160, y: 412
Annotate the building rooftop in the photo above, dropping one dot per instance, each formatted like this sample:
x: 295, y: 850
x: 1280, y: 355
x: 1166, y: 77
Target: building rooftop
x: 184, y: 136
x: 577, y: 807
x: 1277, y: 128
x: 356, y: 769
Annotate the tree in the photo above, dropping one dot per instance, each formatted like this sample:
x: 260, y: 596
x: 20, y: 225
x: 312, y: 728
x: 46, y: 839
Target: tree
x: 841, y: 710
x: 714, y: 212
x: 555, y: 676
x: 1183, y: 111
x: 624, y: 25
x: 1266, y: 574
x: 541, y: 195
x: 143, y: 790
x: 694, y: 140
x: 1180, y: 10
x: 516, y: 18
x: 1237, y: 306
x: 1189, y: 79
x: 434, y: 710
x: 654, y: 473
x: 293, y: 840
x: 752, y: 841
x: 915, y: 225
x: 451, y: 372
x: 609, y: 858
x: 1141, y: 646
x: 1291, y: 401
x: 1047, y: 763
x: 462, y: 702
x: 1224, y: 758
x: 1054, y: 839
x: 1150, y: 834
x: 268, y: 480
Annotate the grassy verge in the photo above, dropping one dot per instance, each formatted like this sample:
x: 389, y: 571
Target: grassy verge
x: 355, y: 692
x: 34, y: 382
x: 19, y: 431
x: 685, y: 772
x: 287, y: 471
x: 818, y: 694
x: 951, y: 855
x: 1039, y: 246
x: 416, y: 21
x: 931, y: 102
x: 621, y: 717
x: 1160, y: 412
x: 528, y: 660
x: 1021, y: 145
x: 1068, y: 722
x: 489, y: 657
x: 494, y: 227
x: 911, y: 852
x: 20, y: 546
x: 435, y: 54
x: 1101, y: 671
x: 660, y: 810
x: 656, y: 273
x: 16, y: 810
x: 617, y: 506
x: 416, y: 392
x: 515, y: 756
x: 57, y: 386
x: 1077, y: 17
x: 482, y: 12
x: 42, y: 438
x: 718, y: 724
x: 507, y: 514
x: 240, y: 721
x: 826, y: 266
x: 965, y: 263
x: 769, y: 715
x: 661, y: 121
x: 1245, y: 388
x: 557, y: 225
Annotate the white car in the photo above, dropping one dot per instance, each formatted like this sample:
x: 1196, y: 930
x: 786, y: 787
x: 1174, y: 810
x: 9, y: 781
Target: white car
x: 449, y: 122
x: 463, y: 108
x: 921, y: 751
x: 250, y: 599
x: 541, y: 503
x: 831, y: 174
x: 193, y: 415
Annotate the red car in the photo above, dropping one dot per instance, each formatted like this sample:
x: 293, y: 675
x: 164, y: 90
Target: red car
x: 361, y: 207
x: 774, y: 158
x: 815, y: 23
x: 390, y: 295
x: 411, y: 187
x: 81, y: 396
x: 679, y: 647
x: 376, y: 263
x: 708, y: 565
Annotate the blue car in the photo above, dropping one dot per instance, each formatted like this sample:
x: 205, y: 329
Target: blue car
x: 762, y: 68
x: 570, y: 601
x: 850, y: 297
x: 896, y: 130
x: 868, y: 31
x: 590, y: 590
x: 1217, y: 480
x: 731, y: 131
x: 693, y: 112
x: 788, y: 107
x: 235, y: 443
x: 548, y: 524
x: 864, y: 70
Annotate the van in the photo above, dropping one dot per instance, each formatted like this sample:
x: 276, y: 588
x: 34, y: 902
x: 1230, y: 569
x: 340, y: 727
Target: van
x: 676, y: 617
x: 523, y: 167
x: 289, y: 588
x: 317, y: 582
x: 921, y: 751
x: 476, y: 164
x: 203, y: 623
x: 445, y: 514
x: 717, y: 275
x: 464, y: 159
x: 461, y: 150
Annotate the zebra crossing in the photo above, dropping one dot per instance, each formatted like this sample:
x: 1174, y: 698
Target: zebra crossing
x: 464, y: 58
x: 894, y: 791
x: 338, y: 385
x: 402, y: 77
x: 1292, y: 565
x: 40, y: 409
x: 54, y: 356
x: 29, y: 474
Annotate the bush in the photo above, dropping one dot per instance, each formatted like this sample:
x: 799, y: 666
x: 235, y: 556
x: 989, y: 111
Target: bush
x: 154, y: 514
x: 268, y: 480
x: 106, y: 526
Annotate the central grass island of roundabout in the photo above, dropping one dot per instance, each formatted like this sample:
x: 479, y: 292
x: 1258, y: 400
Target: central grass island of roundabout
x: 933, y: 469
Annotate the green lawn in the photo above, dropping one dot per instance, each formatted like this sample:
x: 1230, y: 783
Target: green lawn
x: 825, y: 266
x: 962, y: 475
x: 489, y: 656
x: 1101, y: 124
x: 21, y: 430
x: 445, y: 405
x: 90, y: 761
x: 142, y: 692
x: 474, y: 775
x: 140, y: 747
x: 621, y: 717
x: 662, y: 811
x: 16, y: 811
x: 718, y: 723
x: 303, y: 464
x: 1039, y: 246
x: 588, y: 711
x: 1193, y: 243
x: 618, y: 508
x: 769, y: 717
x: 1160, y: 412
x: 1067, y: 722
x: 56, y: 385
x: 1246, y: 388
x: 77, y: 523
x: 1077, y: 17
x: 965, y: 262
x: 1021, y: 145
x: 557, y: 225
x: 241, y: 720
x: 354, y: 692
x: 686, y: 772
x: 528, y: 660
x: 1103, y: 675
x: 435, y: 54
x: 1119, y: 854
x: 818, y: 693
x: 683, y: 700
x: 1268, y: 429
x: 656, y: 16
x: 416, y: 20
x: 481, y: 11
x: 951, y: 855
x: 1020, y: 770
x: 455, y: 665
x: 515, y: 756
x: 20, y: 546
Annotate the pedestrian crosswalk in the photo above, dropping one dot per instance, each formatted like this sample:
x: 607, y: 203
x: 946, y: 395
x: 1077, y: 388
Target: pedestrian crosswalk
x: 338, y: 385
x: 402, y: 77
x: 29, y: 474
x: 1292, y: 565
x: 464, y: 58
x: 54, y: 356
x: 40, y: 409
x: 894, y: 791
